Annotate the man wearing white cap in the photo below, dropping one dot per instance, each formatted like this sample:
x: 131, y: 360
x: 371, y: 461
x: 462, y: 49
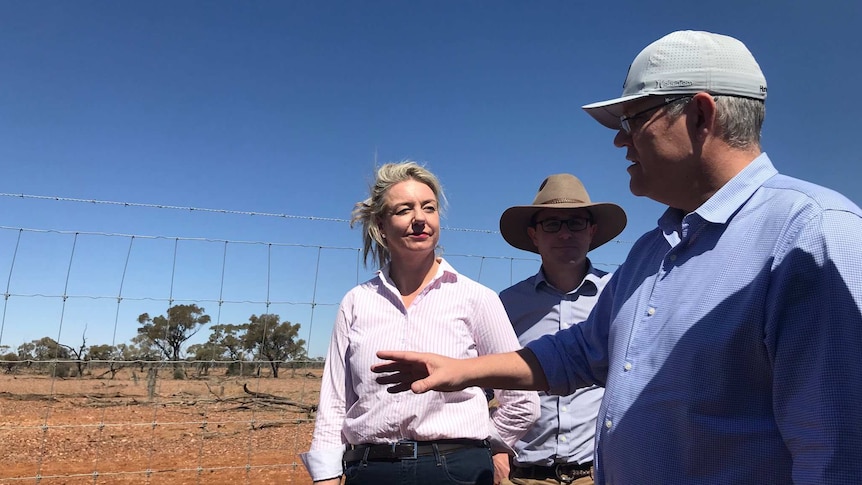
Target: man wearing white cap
x: 729, y: 341
x: 561, y: 225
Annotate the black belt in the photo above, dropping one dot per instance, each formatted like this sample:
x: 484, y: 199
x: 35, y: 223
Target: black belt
x: 564, y: 472
x: 408, y: 450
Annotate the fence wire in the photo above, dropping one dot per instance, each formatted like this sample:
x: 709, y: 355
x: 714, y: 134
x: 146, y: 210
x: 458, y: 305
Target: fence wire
x: 87, y: 397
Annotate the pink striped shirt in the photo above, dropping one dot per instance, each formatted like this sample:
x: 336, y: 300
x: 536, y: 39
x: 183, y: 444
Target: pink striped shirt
x: 453, y: 316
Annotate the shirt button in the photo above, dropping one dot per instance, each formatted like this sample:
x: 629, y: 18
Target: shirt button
x: 673, y: 257
x: 564, y: 409
x: 608, y: 423
x: 650, y: 311
x: 562, y: 438
x: 628, y: 366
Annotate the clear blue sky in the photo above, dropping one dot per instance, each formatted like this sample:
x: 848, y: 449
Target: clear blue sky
x: 281, y: 107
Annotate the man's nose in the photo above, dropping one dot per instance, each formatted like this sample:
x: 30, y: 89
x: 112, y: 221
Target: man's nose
x: 565, y: 232
x: 622, y: 139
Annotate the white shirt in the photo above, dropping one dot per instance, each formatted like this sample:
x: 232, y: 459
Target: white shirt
x: 453, y: 316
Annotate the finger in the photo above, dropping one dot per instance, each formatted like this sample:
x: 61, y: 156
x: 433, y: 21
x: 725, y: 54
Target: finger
x: 390, y: 354
x: 401, y: 387
x: 403, y: 384
x: 400, y: 355
x: 398, y: 377
x: 389, y: 367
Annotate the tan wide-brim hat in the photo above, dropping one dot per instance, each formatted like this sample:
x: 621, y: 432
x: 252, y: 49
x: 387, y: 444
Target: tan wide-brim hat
x: 561, y: 191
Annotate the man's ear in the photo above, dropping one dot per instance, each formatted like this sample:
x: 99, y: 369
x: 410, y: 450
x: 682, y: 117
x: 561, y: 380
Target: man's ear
x: 531, y: 231
x: 704, y: 117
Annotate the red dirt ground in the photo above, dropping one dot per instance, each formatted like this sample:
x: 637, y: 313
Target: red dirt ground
x: 192, y: 431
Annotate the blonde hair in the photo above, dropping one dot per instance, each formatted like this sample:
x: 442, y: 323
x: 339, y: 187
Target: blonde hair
x: 370, y: 212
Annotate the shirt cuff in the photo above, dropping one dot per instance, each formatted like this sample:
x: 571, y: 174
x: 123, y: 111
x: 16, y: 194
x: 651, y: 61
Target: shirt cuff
x: 497, y: 444
x: 323, y: 464
x: 545, y: 351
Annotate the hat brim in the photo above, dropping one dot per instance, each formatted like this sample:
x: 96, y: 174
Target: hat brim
x: 608, y: 112
x: 610, y: 220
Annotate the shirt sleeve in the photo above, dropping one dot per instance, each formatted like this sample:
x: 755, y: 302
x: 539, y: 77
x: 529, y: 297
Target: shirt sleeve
x: 323, y: 460
x: 814, y: 335
x: 577, y: 356
x: 517, y: 410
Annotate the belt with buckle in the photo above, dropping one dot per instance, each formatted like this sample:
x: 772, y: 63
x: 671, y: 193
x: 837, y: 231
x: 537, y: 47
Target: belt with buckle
x: 408, y: 450
x: 564, y: 472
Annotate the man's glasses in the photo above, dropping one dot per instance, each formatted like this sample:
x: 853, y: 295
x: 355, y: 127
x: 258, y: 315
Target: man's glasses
x: 554, y: 225
x: 624, y: 120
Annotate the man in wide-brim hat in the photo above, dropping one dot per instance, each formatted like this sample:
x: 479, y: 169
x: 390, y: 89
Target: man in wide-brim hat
x: 561, y: 191
x: 561, y: 225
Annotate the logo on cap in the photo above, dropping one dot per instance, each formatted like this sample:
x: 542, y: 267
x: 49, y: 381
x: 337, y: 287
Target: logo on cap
x: 673, y: 84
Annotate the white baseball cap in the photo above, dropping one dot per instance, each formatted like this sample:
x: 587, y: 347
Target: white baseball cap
x: 686, y: 62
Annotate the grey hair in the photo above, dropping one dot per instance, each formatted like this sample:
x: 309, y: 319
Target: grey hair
x: 739, y: 119
x: 371, y: 211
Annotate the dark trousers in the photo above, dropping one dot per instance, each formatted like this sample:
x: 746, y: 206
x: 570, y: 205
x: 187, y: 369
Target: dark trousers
x: 471, y: 466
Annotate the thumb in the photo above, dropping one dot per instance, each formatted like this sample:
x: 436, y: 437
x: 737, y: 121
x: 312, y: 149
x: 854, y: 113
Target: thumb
x: 421, y: 386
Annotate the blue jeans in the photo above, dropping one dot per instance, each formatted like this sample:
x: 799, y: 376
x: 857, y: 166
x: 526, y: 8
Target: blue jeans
x: 471, y: 466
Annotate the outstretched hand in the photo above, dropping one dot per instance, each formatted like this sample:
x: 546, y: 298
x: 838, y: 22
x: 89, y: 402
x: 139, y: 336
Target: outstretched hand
x: 419, y: 372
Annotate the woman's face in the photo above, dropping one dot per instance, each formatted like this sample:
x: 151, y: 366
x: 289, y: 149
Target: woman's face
x: 411, y: 223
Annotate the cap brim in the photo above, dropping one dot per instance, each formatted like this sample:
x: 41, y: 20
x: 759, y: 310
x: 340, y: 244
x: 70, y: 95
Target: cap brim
x: 610, y: 218
x: 608, y: 113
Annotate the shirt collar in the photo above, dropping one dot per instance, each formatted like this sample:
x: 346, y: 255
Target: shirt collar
x: 443, y: 269
x: 723, y: 204
x: 590, y: 279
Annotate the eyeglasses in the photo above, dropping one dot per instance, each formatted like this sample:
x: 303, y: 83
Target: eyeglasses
x: 624, y: 120
x: 554, y: 225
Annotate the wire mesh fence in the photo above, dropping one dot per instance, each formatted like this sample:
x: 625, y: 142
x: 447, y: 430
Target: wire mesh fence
x: 134, y: 358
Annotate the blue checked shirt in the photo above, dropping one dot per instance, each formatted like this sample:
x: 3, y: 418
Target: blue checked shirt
x: 566, y: 427
x: 729, y: 342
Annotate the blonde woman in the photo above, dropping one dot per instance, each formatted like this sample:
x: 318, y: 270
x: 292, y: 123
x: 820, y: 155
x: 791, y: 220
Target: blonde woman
x: 417, y: 301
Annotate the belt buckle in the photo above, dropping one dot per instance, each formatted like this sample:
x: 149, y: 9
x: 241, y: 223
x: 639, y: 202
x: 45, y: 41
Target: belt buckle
x: 563, y: 474
x: 412, y: 444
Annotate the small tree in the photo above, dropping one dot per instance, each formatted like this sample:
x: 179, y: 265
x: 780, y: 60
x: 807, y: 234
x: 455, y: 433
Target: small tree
x: 47, y: 348
x: 25, y: 352
x: 229, y: 339
x: 79, y: 353
x: 48, y: 351
x: 274, y: 340
x: 203, y: 355
x: 171, y: 332
x: 109, y: 354
x: 141, y: 351
x: 102, y: 352
x: 10, y: 361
